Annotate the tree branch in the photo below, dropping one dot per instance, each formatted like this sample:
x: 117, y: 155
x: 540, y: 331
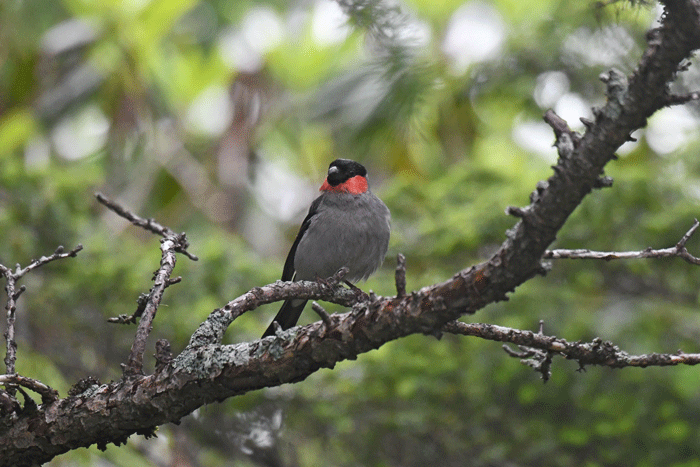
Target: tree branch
x: 212, y: 330
x: 148, y: 224
x: 148, y: 304
x: 323, y: 314
x: 168, y: 246
x: 47, y: 393
x: 400, y: 275
x: 13, y: 294
x: 678, y: 99
x: 596, y: 352
x: 206, y: 371
x: 678, y: 250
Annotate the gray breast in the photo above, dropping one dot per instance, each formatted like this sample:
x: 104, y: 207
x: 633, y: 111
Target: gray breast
x: 349, y: 230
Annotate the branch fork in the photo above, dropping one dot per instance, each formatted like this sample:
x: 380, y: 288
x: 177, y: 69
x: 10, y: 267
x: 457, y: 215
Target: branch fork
x: 679, y: 250
x: 13, y: 294
x: 170, y: 244
x: 207, y: 371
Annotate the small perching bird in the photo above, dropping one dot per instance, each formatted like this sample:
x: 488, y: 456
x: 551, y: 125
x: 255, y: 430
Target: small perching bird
x: 347, y: 226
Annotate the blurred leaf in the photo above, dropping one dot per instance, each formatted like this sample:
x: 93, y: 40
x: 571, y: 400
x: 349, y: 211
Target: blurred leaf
x: 15, y: 129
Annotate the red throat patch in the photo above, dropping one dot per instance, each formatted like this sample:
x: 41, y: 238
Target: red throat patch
x: 355, y: 185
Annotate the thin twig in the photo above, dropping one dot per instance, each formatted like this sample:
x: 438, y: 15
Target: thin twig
x: 47, y: 393
x: 678, y: 250
x: 11, y: 307
x: 169, y: 245
x: 323, y: 314
x: 400, y: 276
x: 141, y: 303
x: 13, y: 294
x: 58, y: 254
x: 688, y: 234
x: 596, y: 352
x: 679, y: 99
x: 148, y: 224
x: 537, y: 359
x: 565, y: 135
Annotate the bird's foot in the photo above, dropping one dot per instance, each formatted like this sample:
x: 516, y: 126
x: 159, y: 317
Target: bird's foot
x: 334, y: 280
x: 339, y: 275
x: 359, y: 293
x: 326, y: 283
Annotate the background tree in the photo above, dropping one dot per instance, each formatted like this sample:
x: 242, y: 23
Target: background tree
x: 198, y: 113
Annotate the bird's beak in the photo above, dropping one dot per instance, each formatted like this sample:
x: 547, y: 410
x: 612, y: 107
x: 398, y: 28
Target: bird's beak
x: 332, y: 170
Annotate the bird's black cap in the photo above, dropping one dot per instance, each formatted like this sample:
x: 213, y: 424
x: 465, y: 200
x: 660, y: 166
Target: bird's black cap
x: 342, y: 170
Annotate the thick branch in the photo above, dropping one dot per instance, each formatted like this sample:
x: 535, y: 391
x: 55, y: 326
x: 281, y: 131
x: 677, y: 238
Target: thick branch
x: 212, y: 330
x: 207, y: 371
x: 582, y: 158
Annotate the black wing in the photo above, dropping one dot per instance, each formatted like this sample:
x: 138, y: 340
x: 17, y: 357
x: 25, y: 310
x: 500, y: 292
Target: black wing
x: 288, y: 271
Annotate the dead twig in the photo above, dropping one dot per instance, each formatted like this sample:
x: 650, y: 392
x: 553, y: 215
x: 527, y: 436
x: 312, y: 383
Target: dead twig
x: 13, y: 294
x: 400, y: 276
x: 679, y: 250
x: 323, y: 314
x: 148, y: 304
x: 539, y: 346
x: 148, y: 224
x: 679, y: 99
x: 47, y: 393
x: 168, y: 246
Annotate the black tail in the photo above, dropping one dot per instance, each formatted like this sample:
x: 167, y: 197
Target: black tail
x: 288, y: 315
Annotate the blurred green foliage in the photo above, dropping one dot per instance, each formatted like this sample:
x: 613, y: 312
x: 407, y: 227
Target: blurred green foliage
x: 218, y: 118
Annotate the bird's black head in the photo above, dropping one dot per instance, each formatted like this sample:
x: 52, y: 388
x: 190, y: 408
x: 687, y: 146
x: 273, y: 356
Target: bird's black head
x: 342, y: 170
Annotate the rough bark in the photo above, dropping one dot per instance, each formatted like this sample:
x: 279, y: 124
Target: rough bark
x: 207, y: 371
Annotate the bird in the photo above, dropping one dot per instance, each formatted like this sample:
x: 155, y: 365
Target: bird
x: 346, y: 226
